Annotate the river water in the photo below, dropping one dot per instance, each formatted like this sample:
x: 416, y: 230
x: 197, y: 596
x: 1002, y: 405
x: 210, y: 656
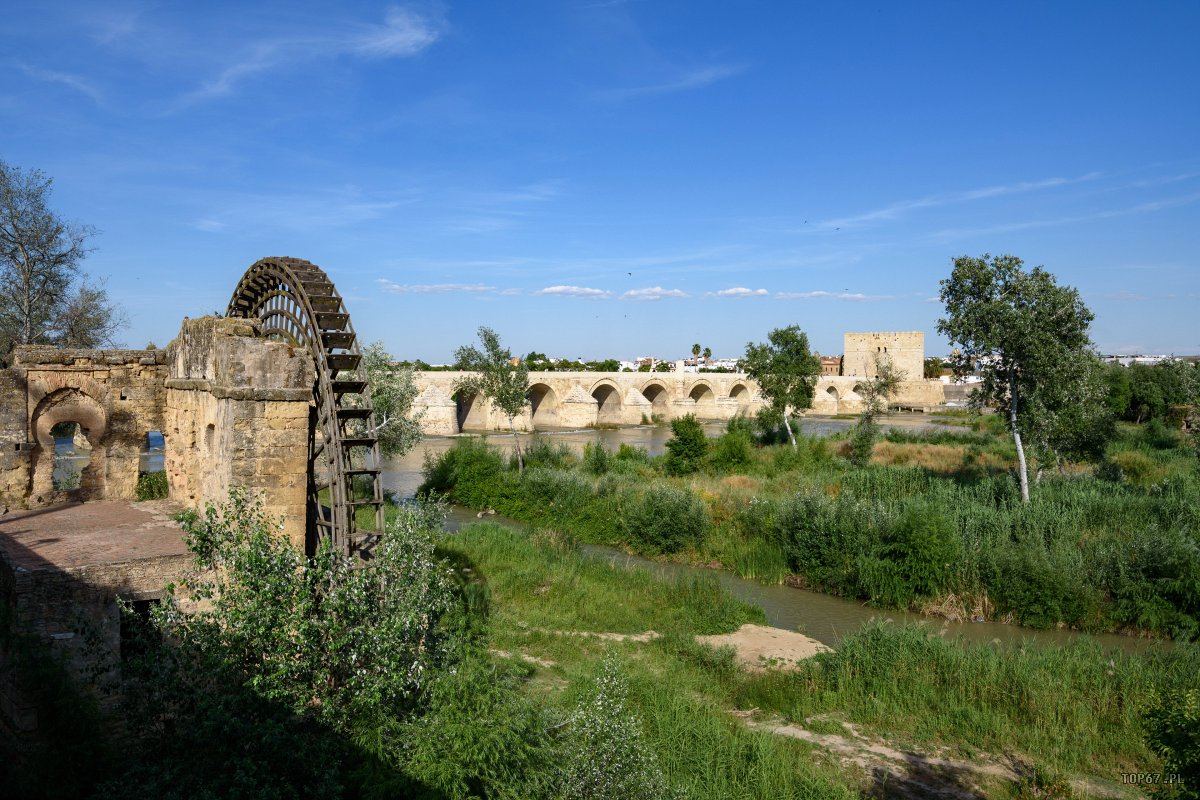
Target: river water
x: 821, y: 616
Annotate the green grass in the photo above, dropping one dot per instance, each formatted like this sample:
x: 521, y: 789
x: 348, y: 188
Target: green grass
x: 1074, y: 709
x: 1118, y: 550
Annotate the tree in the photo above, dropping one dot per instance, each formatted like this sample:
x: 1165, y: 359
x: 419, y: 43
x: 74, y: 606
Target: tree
x: 934, y: 367
x: 786, y: 372
x: 1071, y: 416
x: 393, y: 391
x: 707, y: 354
x: 1019, y: 330
x: 875, y: 394
x: 497, y: 378
x: 696, y: 353
x: 44, y: 296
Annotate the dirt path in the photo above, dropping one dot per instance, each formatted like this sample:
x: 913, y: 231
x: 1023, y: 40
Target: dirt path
x: 907, y: 774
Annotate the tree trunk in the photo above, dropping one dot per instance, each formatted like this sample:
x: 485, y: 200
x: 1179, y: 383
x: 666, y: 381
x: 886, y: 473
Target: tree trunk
x: 517, y: 446
x: 1022, y: 467
x: 788, y: 425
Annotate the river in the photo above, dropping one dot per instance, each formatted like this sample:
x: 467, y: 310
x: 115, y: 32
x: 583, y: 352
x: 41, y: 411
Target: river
x: 823, y: 617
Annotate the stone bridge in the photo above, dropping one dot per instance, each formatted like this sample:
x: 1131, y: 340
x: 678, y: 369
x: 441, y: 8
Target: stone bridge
x: 591, y: 399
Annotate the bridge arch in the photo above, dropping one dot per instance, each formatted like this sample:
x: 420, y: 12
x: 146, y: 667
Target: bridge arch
x: 472, y: 411
x: 741, y: 393
x: 831, y: 393
x: 609, y: 406
x: 706, y: 400
x: 543, y: 406
x: 660, y: 399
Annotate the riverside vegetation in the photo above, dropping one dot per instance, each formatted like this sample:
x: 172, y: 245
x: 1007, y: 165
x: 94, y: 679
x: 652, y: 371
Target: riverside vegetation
x: 934, y: 522
x: 497, y: 663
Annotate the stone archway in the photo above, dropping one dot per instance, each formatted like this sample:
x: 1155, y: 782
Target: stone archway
x: 609, y: 407
x: 68, y: 405
x: 706, y: 401
x: 543, y: 405
x: 741, y: 394
x: 472, y: 412
x: 659, y: 397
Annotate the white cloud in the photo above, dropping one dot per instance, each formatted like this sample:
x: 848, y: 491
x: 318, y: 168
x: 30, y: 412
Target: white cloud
x: 574, y: 291
x: 652, y: 293
x: 899, y: 208
x: 67, y: 79
x: 433, y: 288
x: 1141, y: 208
x: 853, y: 297
x: 740, y: 291
x: 403, y: 34
x: 696, y: 79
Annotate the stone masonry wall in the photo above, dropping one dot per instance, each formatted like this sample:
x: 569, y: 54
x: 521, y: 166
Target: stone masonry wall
x: 115, y: 395
x: 236, y: 411
x: 906, y: 350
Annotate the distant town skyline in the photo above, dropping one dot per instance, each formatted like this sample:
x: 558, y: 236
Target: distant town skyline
x: 613, y: 179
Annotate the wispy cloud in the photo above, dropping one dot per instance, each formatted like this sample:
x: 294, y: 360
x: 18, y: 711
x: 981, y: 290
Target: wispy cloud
x: 574, y: 291
x: 403, y: 34
x: 486, y: 211
x: 740, y: 291
x: 1126, y: 295
x: 653, y: 293
x: 695, y: 79
x: 898, y: 209
x: 319, y: 209
x: 434, y: 288
x: 852, y: 297
x: 71, y: 81
x: 1141, y: 208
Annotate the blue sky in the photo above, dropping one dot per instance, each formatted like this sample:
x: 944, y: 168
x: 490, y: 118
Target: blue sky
x: 620, y: 178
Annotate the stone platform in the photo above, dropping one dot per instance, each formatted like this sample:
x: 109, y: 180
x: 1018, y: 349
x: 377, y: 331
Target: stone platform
x: 62, y: 569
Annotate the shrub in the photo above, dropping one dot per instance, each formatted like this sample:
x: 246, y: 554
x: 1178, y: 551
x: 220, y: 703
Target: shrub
x: 664, y: 519
x: 152, y: 485
x: 1173, y: 731
x: 607, y: 754
x: 596, y: 459
x: 686, y: 447
x: 468, y: 472
x: 541, y: 452
x: 631, y: 452
x: 914, y: 559
x: 862, y: 441
x: 731, y: 452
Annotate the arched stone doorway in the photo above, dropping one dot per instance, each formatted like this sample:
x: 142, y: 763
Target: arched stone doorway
x: 68, y: 406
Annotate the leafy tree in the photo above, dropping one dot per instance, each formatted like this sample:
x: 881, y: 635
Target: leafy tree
x: 1020, y: 330
x: 786, y: 372
x: 1070, y: 417
x: 393, y: 391
x: 875, y: 392
x: 1120, y: 389
x: 538, y: 362
x: 934, y: 367
x: 497, y: 378
x: 44, y: 296
x: 607, y: 365
x: 687, y: 446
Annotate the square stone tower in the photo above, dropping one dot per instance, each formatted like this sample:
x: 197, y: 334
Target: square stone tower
x: 906, y: 349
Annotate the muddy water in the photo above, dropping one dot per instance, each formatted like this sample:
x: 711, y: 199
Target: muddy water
x: 821, y: 616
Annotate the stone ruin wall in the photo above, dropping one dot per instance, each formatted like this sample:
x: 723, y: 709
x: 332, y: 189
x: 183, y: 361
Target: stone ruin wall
x: 237, y: 410
x: 233, y: 409
x: 906, y: 349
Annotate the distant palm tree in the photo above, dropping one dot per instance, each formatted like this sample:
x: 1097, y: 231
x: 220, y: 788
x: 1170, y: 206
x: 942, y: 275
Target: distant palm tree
x: 707, y: 354
x: 696, y: 353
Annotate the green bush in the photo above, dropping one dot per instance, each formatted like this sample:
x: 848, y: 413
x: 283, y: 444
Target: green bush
x: 914, y: 559
x: 1173, y: 731
x: 596, y: 459
x: 152, y: 485
x: 862, y: 441
x: 664, y: 519
x: 542, y: 452
x: 731, y: 452
x: 633, y: 453
x: 686, y: 447
x: 468, y: 473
